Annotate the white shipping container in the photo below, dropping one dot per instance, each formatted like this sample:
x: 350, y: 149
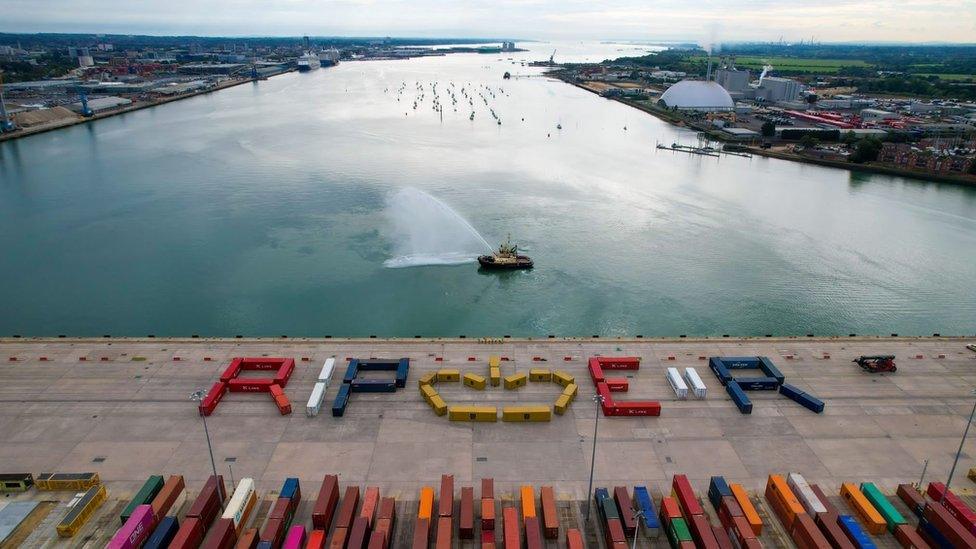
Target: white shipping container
x: 677, y: 384
x: 238, y: 508
x: 808, y: 498
x: 695, y: 382
x: 325, y: 376
x: 315, y: 400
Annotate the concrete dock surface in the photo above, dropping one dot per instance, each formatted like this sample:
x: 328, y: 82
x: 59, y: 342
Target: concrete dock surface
x: 121, y: 407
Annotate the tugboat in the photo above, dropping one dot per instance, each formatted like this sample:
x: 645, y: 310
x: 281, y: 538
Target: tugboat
x: 506, y: 257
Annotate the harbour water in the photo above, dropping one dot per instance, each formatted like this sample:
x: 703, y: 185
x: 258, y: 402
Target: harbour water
x: 264, y: 209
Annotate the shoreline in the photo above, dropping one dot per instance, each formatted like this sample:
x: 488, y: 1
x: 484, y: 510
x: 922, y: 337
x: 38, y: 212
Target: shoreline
x: 849, y: 166
x: 284, y: 340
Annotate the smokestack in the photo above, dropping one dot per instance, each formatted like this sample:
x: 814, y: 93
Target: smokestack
x: 708, y: 72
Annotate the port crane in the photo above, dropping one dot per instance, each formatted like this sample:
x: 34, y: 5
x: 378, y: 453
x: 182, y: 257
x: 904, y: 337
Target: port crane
x: 551, y: 57
x: 85, y: 109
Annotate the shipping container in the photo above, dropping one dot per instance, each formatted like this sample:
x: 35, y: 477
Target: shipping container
x: 341, y: 401
x: 445, y: 502
x: 617, y: 384
x: 248, y: 539
x: 808, y: 499
x: 574, y: 539
x: 466, y: 513
x: 855, y: 533
x: 325, y: 503
x: 678, y: 532
x: 533, y: 534
x: 83, y: 509
x: 670, y: 510
x: 292, y: 489
x: 495, y: 376
x: 316, y: 539
x: 717, y: 366
x: 510, y: 528
x: 371, y: 500
x: 241, y: 504
x: 550, y: 515
x: 209, y: 501
x: 488, y: 540
x: 748, y: 509
x: 387, y: 508
x: 384, y: 527
x: 487, y: 514
x: 427, y: 380
x: 339, y: 538
x: 701, y: 532
x: 770, y: 370
x: 739, y: 397
x: 682, y: 491
x: 650, y: 524
x: 445, y: 533
x: 488, y: 488
x: 561, y: 404
x: 515, y: 381
x: 377, y: 540
x: 426, y: 507
x: 695, y: 383
x: 136, y: 529
x: 718, y: 489
x: 315, y: 400
x: 823, y: 500
x: 164, y: 500
x: 212, y: 398
x: 562, y: 378
x: 912, y: 498
x: 806, y: 535
x: 757, y: 383
x: 325, y: 374
x: 16, y: 482
x: 223, y: 535
x: 722, y: 538
x: 190, y: 534
x: 571, y: 390
x: 273, y: 531
x: 540, y: 374
x: 164, y: 533
x: 144, y: 496
x: 943, y: 521
x: 474, y: 381
x: 806, y: 400
x: 740, y: 531
x: 830, y: 528
x: 908, y: 538
x: 448, y: 375
x: 373, y: 386
x: 347, y: 509
x: 625, y: 510
x: 959, y: 510
x: 358, y: 534
x: 677, y: 384
x: 596, y: 372
x: 883, y: 506
x: 526, y: 413
x: 421, y: 534
x: 438, y: 404
x: 527, y: 499
x: 614, y: 532
x: 783, y: 501
x: 873, y: 521
x: 295, y: 538
x: 472, y: 413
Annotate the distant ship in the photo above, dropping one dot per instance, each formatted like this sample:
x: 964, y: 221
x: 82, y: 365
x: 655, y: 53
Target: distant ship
x: 308, y: 62
x: 506, y: 257
x: 329, y: 57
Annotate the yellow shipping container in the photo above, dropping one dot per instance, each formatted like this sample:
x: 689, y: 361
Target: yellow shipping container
x: 427, y: 379
x: 496, y: 376
x: 77, y: 516
x: 526, y: 413
x: 562, y: 378
x: 438, y: 404
x: 448, y: 375
x: 66, y: 481
x: 474, y: 381
x: 426, y: 502
x: 561, y: 404
x: 428, y: 392
x: 571, y: 390
x: 515, y: 381
x: 540, y: 374
x: 494, y: 361
x: 473, y: 413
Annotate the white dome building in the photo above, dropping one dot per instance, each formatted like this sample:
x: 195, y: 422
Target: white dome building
x: 697, y: 95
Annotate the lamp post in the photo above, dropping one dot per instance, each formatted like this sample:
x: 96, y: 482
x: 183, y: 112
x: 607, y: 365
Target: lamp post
x: 638, y: 515
x: 962, y: 442
x: 598, y: 399
x: 197, y: 396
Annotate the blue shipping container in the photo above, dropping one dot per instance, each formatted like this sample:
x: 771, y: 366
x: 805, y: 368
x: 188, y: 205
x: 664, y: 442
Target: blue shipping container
x: 855, y: 533
x: 341, y: 400
x: 163, y: 534
x: 289, y: 488
x: 351, y: 371
x: 721, y: 372
x: 806, y: 400
x: 265, y: 545
x: 402, y: 370
x: 373, y: 386
x: 740, y: 362
x: 739, y: 397
x: 771, y: 371
x: 717, y: 489
x: 646, y: 505
x: 939, y: 540
x: 757, y: 383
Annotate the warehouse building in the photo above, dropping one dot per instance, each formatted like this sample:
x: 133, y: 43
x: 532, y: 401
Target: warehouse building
x: 102, y: 104
x: 697, y: 95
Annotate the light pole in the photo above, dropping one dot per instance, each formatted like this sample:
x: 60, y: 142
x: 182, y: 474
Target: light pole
x: 638, y: 515
x: 197, y: 396
x: 959, y: 451
x: 598, y: 399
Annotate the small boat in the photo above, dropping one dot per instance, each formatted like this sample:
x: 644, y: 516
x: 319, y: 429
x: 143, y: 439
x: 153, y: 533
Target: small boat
x: 506, y: 258
x: 559, y: 126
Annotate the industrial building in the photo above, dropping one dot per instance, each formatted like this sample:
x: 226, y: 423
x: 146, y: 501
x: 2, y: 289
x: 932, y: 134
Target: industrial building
x: 733, y: 80
x: 773, y: 89
x: 102, y: 104
x: 697, y: 95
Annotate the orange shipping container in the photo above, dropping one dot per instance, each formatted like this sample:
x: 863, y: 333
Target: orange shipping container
x: 574, y: 539
x: 528, y: 501
x: 426, y: 502
x: 783, y: 500
x: 487, y: 514
x: 167, y: 496
x: 748, y: 509
x: 370, y: 500
x: 873, y: 522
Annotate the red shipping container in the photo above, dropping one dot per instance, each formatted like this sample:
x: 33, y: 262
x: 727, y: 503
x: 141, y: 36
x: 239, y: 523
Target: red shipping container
x: 347, y: 510
x: 421, y: 534
x: 385, y: 528
x: 209, y: 502
x: 908, y: 538
x: 487, y: 514
x: 445, y: 533
x: 316, y: 540
x: 190, y: 534
x: 634, y: 408
x: 740, y: 530
x: 466, y: 518
x: 223, y: 535
x: 701, y: 531
x: 487, y: 488
x: 387, y: 508
x: 823, y: 499
x: 488, y: 540
x: 550, y: 516
x: 358, y: 534
x: 721, y: 537
x: 574, y: 539
x: 164, y: 500
x: 669, y: 510
x: 617, y: 384
x: 596, y: 372
x: 614, y: 532
x: 325, y: 504
x: 832, y: 531
x: 510, y: 528
x: 274, y: 531
x: 682, y: 491
x: 911, y: 497
x: 959, y: 510
x: 210, y: 402
x: 250, y: 385
x: 232, y: 370
x: 248, y: 540
x: 377, y: 541
x: 282, y: 402
x: 533, y: 536
x: 339, y: 537
x: 752, y: 543
x: 944, y: 522
x: 371, y: 499
x: 445, y: 505
x: 618, y: 362
x: 625, y: 509
x: 805, y: 533
x: 281, y: 510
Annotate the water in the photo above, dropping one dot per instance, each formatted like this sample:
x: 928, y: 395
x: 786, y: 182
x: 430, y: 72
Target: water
x: 265, y: 209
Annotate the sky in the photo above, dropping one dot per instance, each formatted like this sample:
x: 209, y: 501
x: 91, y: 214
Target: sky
x: 704, y: 21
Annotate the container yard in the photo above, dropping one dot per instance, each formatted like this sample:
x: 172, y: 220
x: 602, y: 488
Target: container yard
x: 454, y: 443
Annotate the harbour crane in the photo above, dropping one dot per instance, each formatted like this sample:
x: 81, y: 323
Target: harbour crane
x: 551, y: 62
x: 85, y: 110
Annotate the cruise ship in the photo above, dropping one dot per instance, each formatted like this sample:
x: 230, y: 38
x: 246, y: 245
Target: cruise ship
x: 329, y: 57
x: 308, y: 62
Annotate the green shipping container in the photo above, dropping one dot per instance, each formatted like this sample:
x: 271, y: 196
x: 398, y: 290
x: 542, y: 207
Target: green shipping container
x: 144, y: 496
x: 678, y: 532
x: 881, y: 503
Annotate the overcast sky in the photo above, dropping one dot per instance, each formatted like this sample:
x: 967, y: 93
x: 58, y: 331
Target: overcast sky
x: 703, y: 20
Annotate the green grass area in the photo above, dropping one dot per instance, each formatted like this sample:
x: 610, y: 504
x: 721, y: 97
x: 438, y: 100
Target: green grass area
x: 795, y: 64
x: 950, y: 77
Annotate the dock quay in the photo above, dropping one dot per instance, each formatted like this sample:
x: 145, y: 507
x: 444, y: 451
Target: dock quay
x: 121, y: 408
